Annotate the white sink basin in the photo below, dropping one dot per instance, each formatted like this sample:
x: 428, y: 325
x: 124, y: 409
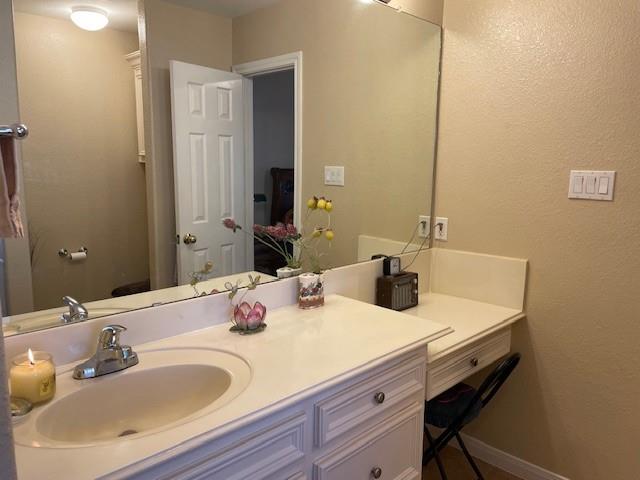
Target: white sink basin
x: 166, y: 389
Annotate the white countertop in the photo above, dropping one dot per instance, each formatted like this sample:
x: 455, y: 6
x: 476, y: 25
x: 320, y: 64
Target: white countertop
x: 300, y: 353
x: 470, y: 320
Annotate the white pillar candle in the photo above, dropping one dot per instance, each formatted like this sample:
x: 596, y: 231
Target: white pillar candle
x: 33, y: 377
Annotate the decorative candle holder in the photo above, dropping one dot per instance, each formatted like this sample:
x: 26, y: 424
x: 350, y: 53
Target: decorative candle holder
x: 33, y: 377
x: 310, y: 290
x: 248, y: 319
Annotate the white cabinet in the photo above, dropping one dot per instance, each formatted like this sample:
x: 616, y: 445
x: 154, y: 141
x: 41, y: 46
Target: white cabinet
x: 134, y: 60
x: 348, y: 431
x: 392, y: 450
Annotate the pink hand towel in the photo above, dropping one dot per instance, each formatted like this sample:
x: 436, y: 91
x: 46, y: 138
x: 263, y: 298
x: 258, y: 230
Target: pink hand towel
x: 10, y: 220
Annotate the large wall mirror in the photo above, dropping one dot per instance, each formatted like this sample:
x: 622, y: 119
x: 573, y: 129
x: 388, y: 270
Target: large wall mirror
x: 153, y: 136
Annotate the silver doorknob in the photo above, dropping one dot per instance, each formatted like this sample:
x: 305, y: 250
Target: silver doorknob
x: 190, y: 239
x: 376, y: 472
x: 379, y: 397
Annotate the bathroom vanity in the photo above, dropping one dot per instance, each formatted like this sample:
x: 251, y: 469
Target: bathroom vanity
x: 332, y: 393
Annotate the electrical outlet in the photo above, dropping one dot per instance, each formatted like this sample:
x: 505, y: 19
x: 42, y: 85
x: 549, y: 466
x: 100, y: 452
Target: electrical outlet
x: 424, y: 222
x: 441, y: 229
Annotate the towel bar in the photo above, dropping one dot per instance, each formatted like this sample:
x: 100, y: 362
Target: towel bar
x: 17, y: 130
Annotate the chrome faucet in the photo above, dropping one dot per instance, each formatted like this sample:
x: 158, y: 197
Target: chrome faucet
x: 110, y: 356
x: 77, y: 312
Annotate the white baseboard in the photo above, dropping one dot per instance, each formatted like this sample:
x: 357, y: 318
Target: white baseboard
x: 505, y: 461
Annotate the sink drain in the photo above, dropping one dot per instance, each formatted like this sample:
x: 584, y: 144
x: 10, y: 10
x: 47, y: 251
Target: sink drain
x: 128, y: 432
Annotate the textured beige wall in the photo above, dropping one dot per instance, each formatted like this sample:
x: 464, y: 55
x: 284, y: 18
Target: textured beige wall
x: 530, y: 90
x: 83, y: 183
x: 430, y: 10
x: 171, y: 33
x: 369, y: 87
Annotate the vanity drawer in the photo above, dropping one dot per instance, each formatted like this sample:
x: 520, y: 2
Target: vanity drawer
x: 455, y: 368
x: 362, y: 401
x: 271, y: 453
x: 393, y: 450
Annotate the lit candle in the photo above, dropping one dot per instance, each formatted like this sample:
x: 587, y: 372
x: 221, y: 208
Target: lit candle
x: 33, y: 377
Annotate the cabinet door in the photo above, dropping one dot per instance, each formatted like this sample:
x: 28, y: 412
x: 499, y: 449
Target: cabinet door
x: 391, y: 451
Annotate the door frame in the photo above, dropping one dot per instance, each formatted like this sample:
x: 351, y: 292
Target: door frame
x: 288, y: 61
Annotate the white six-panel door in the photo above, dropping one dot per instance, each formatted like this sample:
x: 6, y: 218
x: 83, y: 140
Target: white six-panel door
x: 209, y: 168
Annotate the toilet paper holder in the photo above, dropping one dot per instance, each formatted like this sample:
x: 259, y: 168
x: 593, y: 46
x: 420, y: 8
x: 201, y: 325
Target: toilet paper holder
x: 64, y: 253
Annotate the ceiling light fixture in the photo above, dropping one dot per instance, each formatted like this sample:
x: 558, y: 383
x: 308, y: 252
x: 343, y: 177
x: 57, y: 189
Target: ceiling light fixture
x: 89, y: 18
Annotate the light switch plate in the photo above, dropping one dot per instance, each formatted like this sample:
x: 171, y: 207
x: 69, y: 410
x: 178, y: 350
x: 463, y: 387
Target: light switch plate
x: 441, y: 233
x: 591, y: 184
x: 334, y: 175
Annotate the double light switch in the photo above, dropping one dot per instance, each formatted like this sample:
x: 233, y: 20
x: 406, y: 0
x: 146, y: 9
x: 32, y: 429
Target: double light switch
x: 591, y: 185
x: 334, y: 176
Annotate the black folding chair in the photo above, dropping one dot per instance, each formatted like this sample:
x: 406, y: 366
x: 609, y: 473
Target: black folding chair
x: 457, y: 407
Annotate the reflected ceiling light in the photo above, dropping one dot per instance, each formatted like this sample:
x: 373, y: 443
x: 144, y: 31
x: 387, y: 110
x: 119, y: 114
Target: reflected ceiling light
x: 89, y: 18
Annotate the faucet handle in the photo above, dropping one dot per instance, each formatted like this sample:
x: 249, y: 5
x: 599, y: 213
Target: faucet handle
x: 110, y: 337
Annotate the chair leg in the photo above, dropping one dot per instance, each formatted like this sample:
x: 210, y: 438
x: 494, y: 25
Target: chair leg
x: 432, y: 448
x: 463, y: 447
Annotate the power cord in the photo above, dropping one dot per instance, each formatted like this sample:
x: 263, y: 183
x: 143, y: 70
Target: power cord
x: 427, y: 237
x: 415, y: 230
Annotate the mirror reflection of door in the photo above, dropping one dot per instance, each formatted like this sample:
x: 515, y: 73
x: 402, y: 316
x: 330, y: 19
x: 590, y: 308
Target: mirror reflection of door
x: 209, y: 168
x: 214, y: 155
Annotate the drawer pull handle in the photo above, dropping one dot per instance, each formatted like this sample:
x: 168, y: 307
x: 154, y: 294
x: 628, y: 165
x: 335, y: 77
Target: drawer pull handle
x: 376, y: 472
x: 379, y: 398
x: 474, y: 362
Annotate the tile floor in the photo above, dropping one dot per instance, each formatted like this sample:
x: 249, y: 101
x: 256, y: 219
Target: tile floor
x: 457, y: 468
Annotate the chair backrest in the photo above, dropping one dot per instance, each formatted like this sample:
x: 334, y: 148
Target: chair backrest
x: 495, y: 379
x: 489, y: 388
x: 282, y: 195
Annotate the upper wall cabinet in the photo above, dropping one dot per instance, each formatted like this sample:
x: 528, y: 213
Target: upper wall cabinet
x: 134, y: 60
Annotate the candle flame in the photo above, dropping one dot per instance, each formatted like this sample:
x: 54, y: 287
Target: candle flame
x: 32, y: 360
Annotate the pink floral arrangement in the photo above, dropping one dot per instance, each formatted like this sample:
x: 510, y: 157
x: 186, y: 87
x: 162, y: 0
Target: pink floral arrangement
x: 273, y: 236
x: 276, y: 237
